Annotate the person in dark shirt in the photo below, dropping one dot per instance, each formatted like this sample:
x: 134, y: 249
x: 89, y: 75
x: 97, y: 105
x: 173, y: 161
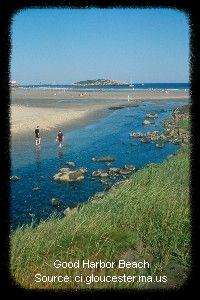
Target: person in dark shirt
x: 37, y: 136
x: 60, y: 138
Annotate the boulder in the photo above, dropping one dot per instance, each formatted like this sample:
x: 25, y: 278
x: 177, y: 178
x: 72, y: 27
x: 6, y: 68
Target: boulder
x: 154, y: 116
x: 66, y: 211
x: 125, y: 172
x: 146, y: 122
x: 103, y: 174
x: 96, y: 173
x: 97, y: 197
x: 37, y: 188
x: 154, y: 136
x: 65, y: 175
x: 181, y: 131
x: 70, y: 210
x: 14, y: 178
x: 55, y: 202
x: 83, y: 170
x: 114, y: 170
x: 144, y: 140
x: 103, y: 159
x: 64, y: 170
x: 104, y: 182
x: 130, y: 167
x: 108, y: 187
x: 71, y: 164
x: 119, y: 184
x: 75, y: 176
x: 160, y: 145
x: 136, y: 134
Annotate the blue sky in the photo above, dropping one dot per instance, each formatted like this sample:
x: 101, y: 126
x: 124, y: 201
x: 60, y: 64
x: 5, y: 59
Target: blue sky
x: 62, y: 46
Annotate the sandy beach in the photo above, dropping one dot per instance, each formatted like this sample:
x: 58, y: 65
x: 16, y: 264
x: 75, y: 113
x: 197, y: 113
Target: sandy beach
x: 53, y: 108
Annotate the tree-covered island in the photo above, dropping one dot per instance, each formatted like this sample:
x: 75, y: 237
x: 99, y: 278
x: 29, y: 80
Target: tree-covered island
x: 100, y: 82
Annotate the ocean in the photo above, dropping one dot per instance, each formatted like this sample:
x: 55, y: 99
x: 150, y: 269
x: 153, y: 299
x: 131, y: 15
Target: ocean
x: 135, y: 86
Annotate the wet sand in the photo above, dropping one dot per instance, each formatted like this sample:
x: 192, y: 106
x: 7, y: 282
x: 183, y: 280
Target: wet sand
x: 51, y: 109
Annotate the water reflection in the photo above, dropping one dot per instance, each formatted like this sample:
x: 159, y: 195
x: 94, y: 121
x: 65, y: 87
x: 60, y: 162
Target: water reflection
x: 60, y: 152
x: 38, y: 154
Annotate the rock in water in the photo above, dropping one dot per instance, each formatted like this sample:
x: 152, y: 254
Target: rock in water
x: 154, y: 116
x: 130, y: 167
x: 109, y: 164
x: 103, y: 159
x: 64, y: 170
x: 14, y: 178
x: 154, y: 136
x: 71, y: 164
x: 76, y: 176
x: 144, y: 140
x: 146, y: 122
x: 96, y: 173
x: 160, y: 145
x: 114, y: 170
x: 37, y: 188
x: 55, y: 202
x: 136, y: 134
x: 83, y: 170
x: 103, y: 174
x: 125, y: 172
x: 65, y: 175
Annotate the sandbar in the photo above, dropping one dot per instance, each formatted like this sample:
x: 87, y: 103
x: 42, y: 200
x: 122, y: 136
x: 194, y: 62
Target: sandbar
x: 53, y: 108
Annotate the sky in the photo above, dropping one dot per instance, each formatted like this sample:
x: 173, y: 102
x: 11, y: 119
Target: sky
x: 63, y: 46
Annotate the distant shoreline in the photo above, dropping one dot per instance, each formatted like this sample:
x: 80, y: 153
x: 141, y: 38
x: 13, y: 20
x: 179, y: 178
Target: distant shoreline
x: 51, y: 109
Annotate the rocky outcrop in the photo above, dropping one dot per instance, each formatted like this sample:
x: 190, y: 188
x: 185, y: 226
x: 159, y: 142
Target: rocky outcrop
x: 65, y: 175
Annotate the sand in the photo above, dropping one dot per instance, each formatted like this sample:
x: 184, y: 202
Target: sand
x: 54, y: 108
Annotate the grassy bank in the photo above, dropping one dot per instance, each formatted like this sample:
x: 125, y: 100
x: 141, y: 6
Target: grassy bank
x: 148, y: 217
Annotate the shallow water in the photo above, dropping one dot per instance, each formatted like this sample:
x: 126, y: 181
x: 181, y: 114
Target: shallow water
x: 108, y: 136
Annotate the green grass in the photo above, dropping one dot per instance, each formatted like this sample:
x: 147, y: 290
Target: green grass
x: 185, y: 124
x: 146, y: 218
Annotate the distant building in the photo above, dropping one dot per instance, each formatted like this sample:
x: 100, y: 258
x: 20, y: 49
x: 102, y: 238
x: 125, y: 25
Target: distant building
x: 13, y: 83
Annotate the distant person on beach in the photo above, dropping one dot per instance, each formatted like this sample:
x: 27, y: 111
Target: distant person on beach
x: 37, y: 136
x: 60, y: 138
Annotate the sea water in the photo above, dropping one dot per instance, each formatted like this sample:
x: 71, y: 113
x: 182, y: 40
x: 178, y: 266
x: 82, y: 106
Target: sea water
x: 107, y: 136
x: 131, y: 86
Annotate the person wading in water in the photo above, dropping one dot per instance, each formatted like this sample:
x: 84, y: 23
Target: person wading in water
x: 60, y: 138
x: 37, y: 136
